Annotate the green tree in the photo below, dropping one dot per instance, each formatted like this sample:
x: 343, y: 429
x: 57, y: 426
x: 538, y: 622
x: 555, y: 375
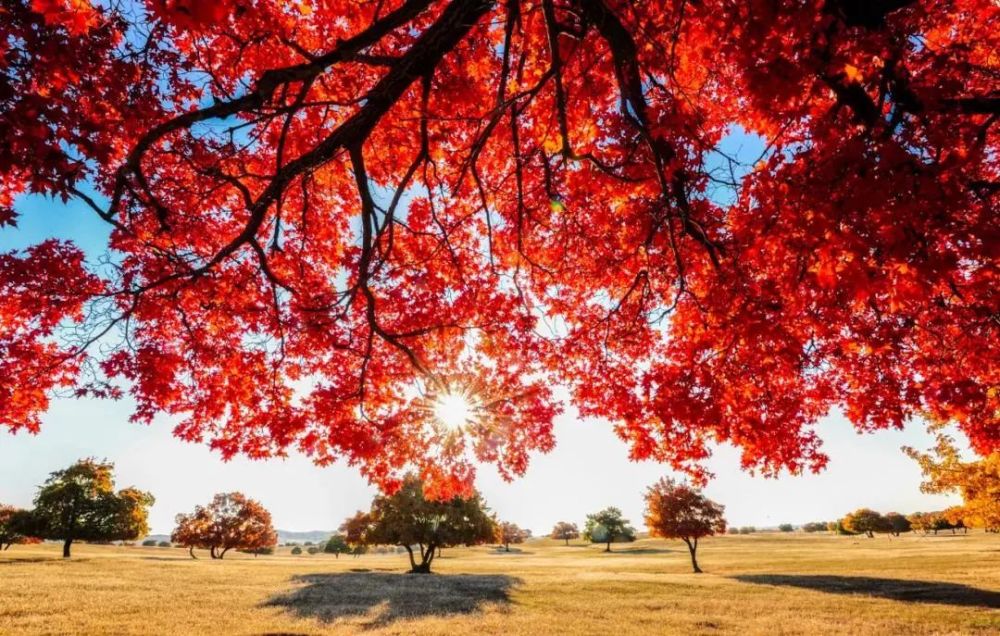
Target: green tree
x: 80, y: 504
x: 337, y: 545
x: 786, y: 527
x: 407, y: 518
x: 15, y: 526
x: 296, y: 550
x: 149, y: 543
x: 816, y: 526
x: 608, y: 526
x: 896, y: 523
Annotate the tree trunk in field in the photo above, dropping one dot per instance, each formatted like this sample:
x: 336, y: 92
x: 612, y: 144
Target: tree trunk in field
x: 608, y: 548
x: 506, y: 547
x: 567, y: 542
x: 212, y: 553
x: 413, y: 564
x: 66, y: 544
x: 693, y: 549
x: 191, y: 552
x: 426, y: 557
x: 223, y: 553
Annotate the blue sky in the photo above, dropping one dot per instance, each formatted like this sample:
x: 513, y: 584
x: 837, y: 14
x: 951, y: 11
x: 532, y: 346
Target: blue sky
x: 588, y: 470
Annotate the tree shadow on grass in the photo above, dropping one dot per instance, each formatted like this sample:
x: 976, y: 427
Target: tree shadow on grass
x: 894, y: 589
x: 378, y: 599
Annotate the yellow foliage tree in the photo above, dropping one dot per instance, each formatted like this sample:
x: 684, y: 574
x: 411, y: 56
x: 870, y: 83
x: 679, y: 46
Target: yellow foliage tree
x: 978, y: 482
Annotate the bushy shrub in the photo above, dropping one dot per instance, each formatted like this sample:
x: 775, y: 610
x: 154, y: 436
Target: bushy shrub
x: 296, y: 550
x: 149, y: 543
x: 164, y: 544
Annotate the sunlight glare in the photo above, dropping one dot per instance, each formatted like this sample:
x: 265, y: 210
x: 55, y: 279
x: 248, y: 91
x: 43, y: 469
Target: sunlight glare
x: 453, y: 410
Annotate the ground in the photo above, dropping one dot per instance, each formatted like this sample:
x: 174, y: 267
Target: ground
x: 757, y: 584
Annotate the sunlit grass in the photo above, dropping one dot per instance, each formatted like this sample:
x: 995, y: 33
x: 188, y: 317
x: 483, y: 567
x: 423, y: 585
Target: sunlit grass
x: 758, y: 584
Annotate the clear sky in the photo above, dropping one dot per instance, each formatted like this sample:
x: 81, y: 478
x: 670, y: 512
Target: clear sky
x: 588, y: 470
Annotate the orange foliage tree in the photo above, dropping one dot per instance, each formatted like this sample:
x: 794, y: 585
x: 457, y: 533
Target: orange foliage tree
x: 316, y: 208
x: 231, y: 521
x: 679, y: 511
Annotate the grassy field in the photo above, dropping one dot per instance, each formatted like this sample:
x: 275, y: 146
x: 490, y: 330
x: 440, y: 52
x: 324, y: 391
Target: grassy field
x: 758, y: 584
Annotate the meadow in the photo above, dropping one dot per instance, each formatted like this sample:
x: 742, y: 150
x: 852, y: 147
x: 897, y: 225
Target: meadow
x: 757, y: 584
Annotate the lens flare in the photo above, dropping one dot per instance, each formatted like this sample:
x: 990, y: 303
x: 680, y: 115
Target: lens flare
x: 454, y: 410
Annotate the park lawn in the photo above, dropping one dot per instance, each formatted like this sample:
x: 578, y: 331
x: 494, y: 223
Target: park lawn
x: 756, y: 584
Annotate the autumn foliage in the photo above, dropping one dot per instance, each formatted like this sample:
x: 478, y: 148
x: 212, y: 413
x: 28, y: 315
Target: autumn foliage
x: 322, y: 215
x: 978, y: 483
x: 230, y: 521
x: 679, y: 511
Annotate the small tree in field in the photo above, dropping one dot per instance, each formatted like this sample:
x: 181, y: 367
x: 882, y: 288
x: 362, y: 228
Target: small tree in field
x: 508, y: 533
x: 865, y: 521
x: 149, y: 543
x: 336, y: 545
x: 786, y: 527
x: 407, y: 518
x: 608, y: 526
x: 80, y: 504
x: 354, y: 530
x: 231, y: 521
x: 296, y: 550
x: 564, y: 531
x: 815, y: 526
x: 679, y: 511
x: 896, y: 523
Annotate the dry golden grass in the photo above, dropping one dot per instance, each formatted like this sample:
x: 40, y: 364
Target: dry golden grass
x: 760, y: 584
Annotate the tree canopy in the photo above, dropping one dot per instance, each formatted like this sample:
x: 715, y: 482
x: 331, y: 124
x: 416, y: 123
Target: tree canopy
x: 231, y: 521
x: 508, y: 533
x: 978, y: 482
x: 321, y: 219
x: 865, y: 521
x: 608, y: 526
x: 80, y: 503
x: 409, y: 519
x: 564, y: 531
x: 15, y: 526
x: 679, y: 511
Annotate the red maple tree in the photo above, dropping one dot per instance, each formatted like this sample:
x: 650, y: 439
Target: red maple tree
x: 316, y: 207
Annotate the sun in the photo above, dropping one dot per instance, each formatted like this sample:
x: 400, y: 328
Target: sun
x: 454, y: 410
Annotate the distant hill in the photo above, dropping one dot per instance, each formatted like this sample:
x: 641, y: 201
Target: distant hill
x: 284, y: 536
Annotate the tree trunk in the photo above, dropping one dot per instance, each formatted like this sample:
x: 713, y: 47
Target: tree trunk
x: 211, y: 552
x: 693, y: 549
x: 191, y: 552
x: 223, y: 553
x: 567, y: 543
x: 66, y: 544
x: 413, y: 564
x: 506, y: 547
x: 608, y: 548
x: 426, y: 557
